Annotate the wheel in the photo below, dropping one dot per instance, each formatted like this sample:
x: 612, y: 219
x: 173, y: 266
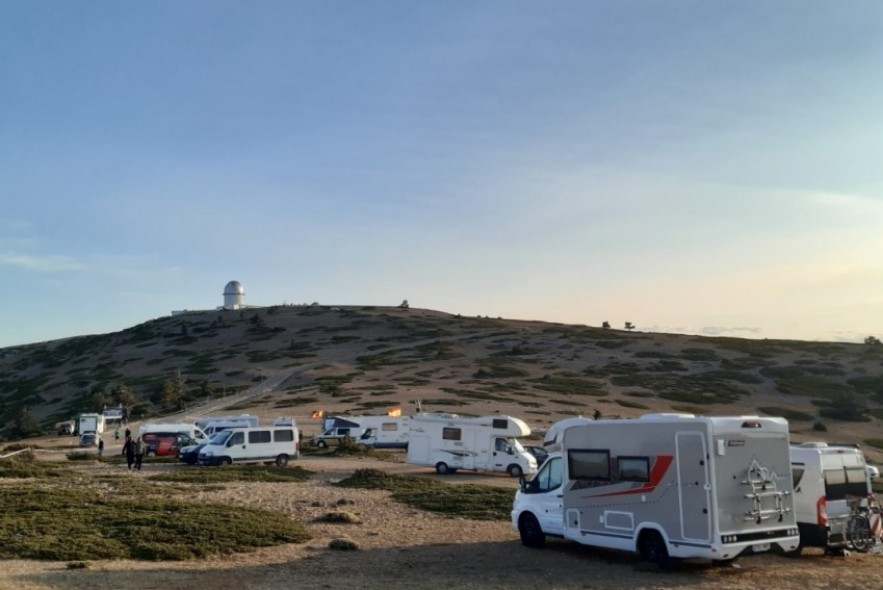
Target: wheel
x: 282, y: 460
x: 859, y: 533
x: 530, y: 530
x: 321, y: 444
x: 652, y: 548
x: 515, y: 470
x: 442, y: 468
x: 226, y: 461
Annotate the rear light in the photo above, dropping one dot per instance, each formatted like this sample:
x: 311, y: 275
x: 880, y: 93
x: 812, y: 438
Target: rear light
x: 822, y: 511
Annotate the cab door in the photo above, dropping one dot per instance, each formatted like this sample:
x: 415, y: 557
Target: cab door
x: 547, y: 496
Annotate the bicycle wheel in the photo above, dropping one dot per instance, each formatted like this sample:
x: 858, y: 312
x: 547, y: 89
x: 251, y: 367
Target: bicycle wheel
x: 858, y: 532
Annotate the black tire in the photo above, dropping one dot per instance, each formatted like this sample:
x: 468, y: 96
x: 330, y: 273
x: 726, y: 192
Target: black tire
x: 531, y: 532
x: 321, y: 444
x: 282, y: 460
x: 652, y: 548
x: 859, y: 533
x: 226, y: 461
x: 515, y: 470
x: 442, y: 468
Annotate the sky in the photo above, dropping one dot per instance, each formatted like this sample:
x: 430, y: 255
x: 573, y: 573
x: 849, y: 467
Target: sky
x: 693, y: 167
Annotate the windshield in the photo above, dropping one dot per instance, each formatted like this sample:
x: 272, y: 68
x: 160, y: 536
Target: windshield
x: 516, y: 445
x: 220, y: 438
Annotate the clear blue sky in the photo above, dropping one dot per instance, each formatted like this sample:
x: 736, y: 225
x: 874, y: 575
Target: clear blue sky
x: 689, y: 166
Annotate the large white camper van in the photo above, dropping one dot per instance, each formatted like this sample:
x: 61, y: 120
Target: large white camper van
x: 449, y: 443
x: 831, y: 487
x: 262, y: 444
x: 204, y: 422
x: 664, y: 486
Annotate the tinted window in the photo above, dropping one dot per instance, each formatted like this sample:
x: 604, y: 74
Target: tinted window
x: 451, y: 433
x: 589, y: 465
x: 835, y: 484
x: 389, y: 426
x: 283, y: 435
x: 500, y: 424
x: 237, y: 438
x: 634, y: 469
x: 259, y: 436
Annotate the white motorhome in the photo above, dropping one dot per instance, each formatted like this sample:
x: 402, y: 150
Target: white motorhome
x: 203, y: 422
x: 187, y: 428
x: 665, y: 486
x: 90, y: 423
x: 384, y: 432
x: 277, y: 443
x: 827, y: 479
x: 449, y: 443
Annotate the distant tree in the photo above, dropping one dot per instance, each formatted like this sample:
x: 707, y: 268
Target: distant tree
x: 597, y: 415
x: 629, y: 326
x: 25, y: 425
x: 123, y: 396
x: 173, y: 392
x: 606, y: 325
x: 404, y: 305
x: 873, y: 342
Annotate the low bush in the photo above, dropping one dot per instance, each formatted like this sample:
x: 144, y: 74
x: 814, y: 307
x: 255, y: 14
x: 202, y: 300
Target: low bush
x: 41, y: 523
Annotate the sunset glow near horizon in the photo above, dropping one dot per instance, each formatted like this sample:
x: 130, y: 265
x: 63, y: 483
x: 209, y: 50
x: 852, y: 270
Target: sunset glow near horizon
x: 687, y: 166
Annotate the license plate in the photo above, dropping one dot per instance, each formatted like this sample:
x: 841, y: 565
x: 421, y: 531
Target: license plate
x: 760, y: 547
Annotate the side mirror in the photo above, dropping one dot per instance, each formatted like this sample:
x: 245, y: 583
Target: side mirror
x: 522, y: 483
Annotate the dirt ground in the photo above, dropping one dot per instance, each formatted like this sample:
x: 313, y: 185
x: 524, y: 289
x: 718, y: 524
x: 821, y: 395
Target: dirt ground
x: 404, y: 548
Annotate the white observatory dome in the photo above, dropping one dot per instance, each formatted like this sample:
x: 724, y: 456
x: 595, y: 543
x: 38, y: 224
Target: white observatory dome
x: 234, y: 294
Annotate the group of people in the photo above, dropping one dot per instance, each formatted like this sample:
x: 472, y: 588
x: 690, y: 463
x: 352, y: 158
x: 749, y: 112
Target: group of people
x: 134, y: 451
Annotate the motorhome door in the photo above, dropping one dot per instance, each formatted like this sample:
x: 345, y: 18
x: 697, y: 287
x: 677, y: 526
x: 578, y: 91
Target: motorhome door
x: 693, y: 489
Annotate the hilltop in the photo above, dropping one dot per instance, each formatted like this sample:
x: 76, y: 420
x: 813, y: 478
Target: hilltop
x: 370, y: 359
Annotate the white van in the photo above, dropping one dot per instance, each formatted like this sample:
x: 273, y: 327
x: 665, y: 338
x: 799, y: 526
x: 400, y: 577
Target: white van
x: 827, y: 477
x: 262, y: 444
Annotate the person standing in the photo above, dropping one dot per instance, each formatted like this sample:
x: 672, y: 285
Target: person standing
x: 100, y: 447
x: 140, y: 449
x: 129, y: 452
x: 116, y: 433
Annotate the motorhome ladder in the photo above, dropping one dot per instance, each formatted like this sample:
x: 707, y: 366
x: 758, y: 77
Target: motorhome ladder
x: 763, y: 485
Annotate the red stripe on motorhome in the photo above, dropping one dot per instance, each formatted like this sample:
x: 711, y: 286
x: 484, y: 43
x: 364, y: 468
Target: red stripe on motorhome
x: 660, y: 467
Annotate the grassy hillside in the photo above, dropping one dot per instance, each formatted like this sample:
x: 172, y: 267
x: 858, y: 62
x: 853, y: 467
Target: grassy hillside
x: 367, y: 359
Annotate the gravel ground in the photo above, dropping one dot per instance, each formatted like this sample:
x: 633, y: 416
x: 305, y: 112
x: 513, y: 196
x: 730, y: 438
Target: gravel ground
x: 401, y: 548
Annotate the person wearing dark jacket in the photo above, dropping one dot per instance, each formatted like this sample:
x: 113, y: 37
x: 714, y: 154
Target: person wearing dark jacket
x: 129, y: 452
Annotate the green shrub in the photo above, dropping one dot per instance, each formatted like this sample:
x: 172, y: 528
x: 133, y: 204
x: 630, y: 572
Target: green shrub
x: 462, y: 500
x: 786, y: 413
x: 819, y: 427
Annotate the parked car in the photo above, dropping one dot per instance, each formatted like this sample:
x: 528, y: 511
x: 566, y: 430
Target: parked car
x: 90, y: 439
x: 539, y: 452
x: 190, y: 453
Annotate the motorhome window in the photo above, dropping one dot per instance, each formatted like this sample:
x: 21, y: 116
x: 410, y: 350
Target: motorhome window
x: 451, y: 433
x: 634, y: 469
x: 835, y: 484
x: 283, y: 435
x: 389, y: 427
x: 237, y: 438
x: 589, y: 465
x: 500, y: 424
x: 259, y: 436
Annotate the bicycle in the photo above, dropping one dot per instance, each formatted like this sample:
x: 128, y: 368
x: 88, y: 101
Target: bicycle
x: 858, y: 527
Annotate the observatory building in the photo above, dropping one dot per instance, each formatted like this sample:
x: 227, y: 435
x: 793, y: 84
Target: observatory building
x: 234, y: 295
